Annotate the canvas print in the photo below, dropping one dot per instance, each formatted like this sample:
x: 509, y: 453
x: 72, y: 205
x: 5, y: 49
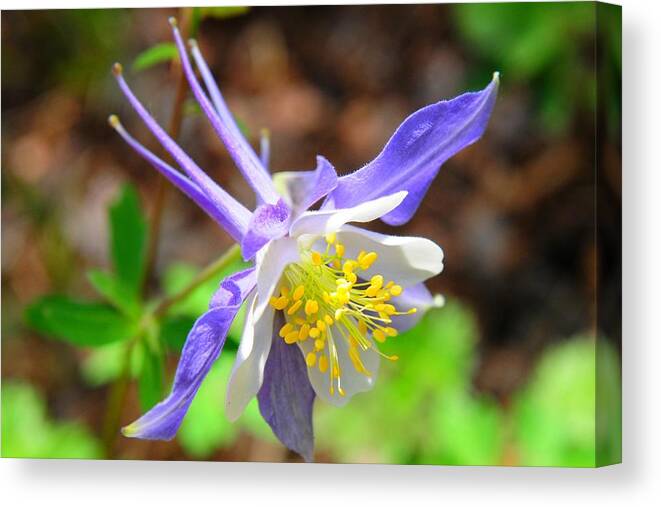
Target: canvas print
x: 337, y: 234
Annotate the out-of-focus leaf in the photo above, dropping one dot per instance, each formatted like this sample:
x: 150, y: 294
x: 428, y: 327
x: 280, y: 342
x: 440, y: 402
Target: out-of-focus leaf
x: 609, y: 405
x: 555, y: 414
x: 128, y: 238
x: 27, y: 432
x: 151, y: 378
x: 103, y: 364
x: 223, y: 12
x: 82, y: 324
x: 175, y: 329
x: 114, y: 291
x: 467, y: 430
x: 160, y: 53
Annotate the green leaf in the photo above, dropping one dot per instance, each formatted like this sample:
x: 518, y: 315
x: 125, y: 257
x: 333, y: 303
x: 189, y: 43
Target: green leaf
x: 152, y: 378
x: 114, y: 291
x: 160, y: 53
x: 82, y: 324
x: 104, y: 364
x: 222, y: 12
x: 554, y: 414
x: 128, y: 238
x: 28, y: 433
x: 174, y: 330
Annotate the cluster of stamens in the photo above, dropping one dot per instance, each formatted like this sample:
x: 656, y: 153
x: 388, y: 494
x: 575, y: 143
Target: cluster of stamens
x: 324, y: 298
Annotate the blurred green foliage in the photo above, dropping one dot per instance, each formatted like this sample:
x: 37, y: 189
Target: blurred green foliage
x: 549, y: 46
x: 27, y: 432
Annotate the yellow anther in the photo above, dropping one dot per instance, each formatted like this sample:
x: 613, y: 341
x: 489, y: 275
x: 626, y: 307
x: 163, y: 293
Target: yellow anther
x: 367, y: 260
x: 338, y: 313
x: 299, y: 321
x: 279, y: 303
x: 379, y: 335
x: 310, y: 359
x: 352, y: 277
x: 285, y: 330
x: 389, y: 309
x: 391, y: 331
x: 348, y: 266
x: 298, y: 293
x: 321, y: 325
x: 362, y: 327
x: 327, y: 298
x: 339, y: 249
x: 371, y: 291
x: 341, y: 391
x: 336, y: 371
x: 316, y: 258
x: 380, y: 307
x: 319, y: 344
x: 377, y: 281
x: 294, y: 308
x: 304, y: 332
x: 323, y: 364
x: 330, y: 238
x: 411, y: 311
x: 314, y: 332
x: 311, y: 307
x: 284, y: 290
x: 336, y: 264
x: 328, y: 319
x: 390, y: 284
x: 396, y: 290
x: 291, y: 337
x: 361, y: 255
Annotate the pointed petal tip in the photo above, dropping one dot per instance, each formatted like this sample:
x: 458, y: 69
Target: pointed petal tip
x: 117, y: 69
x: 173, y: 21
x: 130, y: 430
x: 113, y: 121
x: 192, y: 43
x: 496, y: 77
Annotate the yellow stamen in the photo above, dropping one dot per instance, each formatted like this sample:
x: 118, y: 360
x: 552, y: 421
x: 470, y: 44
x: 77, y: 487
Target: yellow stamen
x: 316, y: 258
x: 310, y: 359
x: 286, y: 329
x: 298, y: 293
x: 294, y: 308
x: 291, y: 337
x: 323, y: 364
x: 311, y: 307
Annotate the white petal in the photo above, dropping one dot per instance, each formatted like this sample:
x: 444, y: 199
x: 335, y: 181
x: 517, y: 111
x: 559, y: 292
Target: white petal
x: 271, y: 262
x: 323, y: 222
x: 352, y: 382
x: 405, y: 259
x: 248, y: 370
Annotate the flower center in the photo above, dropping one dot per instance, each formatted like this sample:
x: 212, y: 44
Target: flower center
x: 325, y: 299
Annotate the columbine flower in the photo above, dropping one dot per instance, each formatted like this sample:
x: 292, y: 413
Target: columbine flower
x: 322, y: 295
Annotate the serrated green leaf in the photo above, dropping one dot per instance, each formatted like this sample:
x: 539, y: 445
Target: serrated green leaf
x: 28, y: 433
x: 114, y: 291
x: 128, y: 238
x: 160, y: 53
x: 151, y: 379
x: 79, y: 323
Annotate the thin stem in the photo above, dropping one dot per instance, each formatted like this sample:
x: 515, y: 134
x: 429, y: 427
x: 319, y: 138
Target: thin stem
x: 232, y: 255
x: 162, y: 185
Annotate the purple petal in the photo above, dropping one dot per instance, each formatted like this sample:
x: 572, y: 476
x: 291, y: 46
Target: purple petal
x: 225, y: 203
x: 307, y: 187
x: 203, y: 346
x: 414, y: 154
x: 269, y: 221
x: 234, y: 226
x: 219, y: 103
x: 246, y: 160
x: 286, y: 398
